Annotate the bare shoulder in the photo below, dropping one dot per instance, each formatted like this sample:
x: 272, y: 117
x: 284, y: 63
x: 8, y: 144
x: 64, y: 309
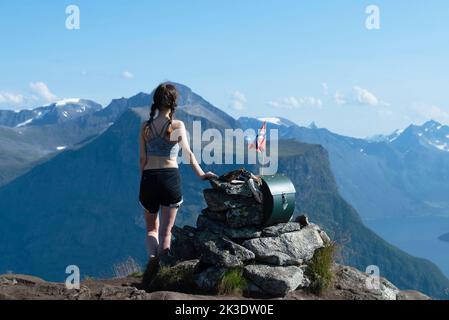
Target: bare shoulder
x: 142, y: 127
x: 178, y: 124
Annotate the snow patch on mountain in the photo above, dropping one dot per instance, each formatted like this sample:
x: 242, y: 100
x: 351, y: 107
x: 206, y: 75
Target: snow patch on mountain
x: 440, y: 146
x: 25, y: 123
x: 275, y: 121
x: 395, y: 135
x: 64, y: 102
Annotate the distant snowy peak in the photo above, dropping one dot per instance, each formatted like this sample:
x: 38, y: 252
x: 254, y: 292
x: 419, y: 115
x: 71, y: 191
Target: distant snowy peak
x: 431, y: 134
x: 64, y: 102
x: 277, y: 121
x: 67, y: 109
x: 392, y: 137
x: 77, y: 104
x: 434, y: 127
x: 58, y: 112
x: 69, y: 106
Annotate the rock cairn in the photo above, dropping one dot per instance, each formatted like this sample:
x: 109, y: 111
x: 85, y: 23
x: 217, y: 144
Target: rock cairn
x: 230, y: 233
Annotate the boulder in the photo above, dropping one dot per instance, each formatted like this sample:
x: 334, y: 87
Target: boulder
x: 326, y: 239
x: 208, y: 279
x: 219, y: 228
x: 184, y: 246
x: 220, y: 201
x: 242, y: 233
x: 245, y: 216
x: 239, y: 189
x: 276, y: 281
x: 277, y: 230
x: 292, y: 248
x: 206, y: 223
x: 355, y: 282
x: 254, y: 291
x: 225, y: 253
x: 219, y: 216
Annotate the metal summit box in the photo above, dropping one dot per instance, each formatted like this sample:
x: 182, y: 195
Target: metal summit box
x: 278, y: 199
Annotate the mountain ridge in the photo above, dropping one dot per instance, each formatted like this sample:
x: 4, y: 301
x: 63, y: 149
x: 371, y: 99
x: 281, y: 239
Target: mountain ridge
x: 398, y: 174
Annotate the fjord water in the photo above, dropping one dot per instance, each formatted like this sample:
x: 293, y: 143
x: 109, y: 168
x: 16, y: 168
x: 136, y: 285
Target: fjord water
x: 417, y: 236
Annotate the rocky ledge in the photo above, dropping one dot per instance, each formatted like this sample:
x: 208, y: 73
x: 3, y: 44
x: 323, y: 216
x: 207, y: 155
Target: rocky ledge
x: 349, y: 284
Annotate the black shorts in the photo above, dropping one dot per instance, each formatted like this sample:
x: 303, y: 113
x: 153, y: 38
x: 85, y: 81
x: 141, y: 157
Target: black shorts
x: 160, y: 187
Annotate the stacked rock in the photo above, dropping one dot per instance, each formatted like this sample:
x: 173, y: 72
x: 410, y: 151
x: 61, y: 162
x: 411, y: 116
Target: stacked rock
x: 231, y: 233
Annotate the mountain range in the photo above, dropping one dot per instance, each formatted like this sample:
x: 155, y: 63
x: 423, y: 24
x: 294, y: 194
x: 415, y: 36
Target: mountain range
x: 405, y: 174
x: 79, y: 206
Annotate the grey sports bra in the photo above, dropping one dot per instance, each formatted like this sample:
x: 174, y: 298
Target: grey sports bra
x: 159, y: 146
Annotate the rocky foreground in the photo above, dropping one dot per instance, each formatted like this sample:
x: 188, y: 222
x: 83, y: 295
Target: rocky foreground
x: 349, y: 284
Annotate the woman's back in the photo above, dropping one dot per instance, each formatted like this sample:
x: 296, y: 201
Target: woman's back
x: 160, y: 150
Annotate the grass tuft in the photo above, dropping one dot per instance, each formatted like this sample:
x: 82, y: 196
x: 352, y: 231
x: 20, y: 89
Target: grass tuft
x: 232, y: 283
x: 320, y: 271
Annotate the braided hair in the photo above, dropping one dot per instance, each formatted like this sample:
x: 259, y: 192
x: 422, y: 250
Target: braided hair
x: 165, y: 96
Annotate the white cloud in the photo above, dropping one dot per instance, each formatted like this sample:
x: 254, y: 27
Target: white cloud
x: 325, y: 89
x: 290, y: 102
x: 43, y: 92
x: 238, y: 101
x: 431, y: 112
x: 11, y: 98
x: 359, y: 96
x: 339, y: 98
x: 364, y: 97
x: 127, y: 75
x: 274, y: 104
x: 294, y: 102
x: 311, y: 101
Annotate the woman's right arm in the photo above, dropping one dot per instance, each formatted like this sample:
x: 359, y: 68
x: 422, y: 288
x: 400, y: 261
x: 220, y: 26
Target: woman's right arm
x: 143, y: 150
x: 190, y: 156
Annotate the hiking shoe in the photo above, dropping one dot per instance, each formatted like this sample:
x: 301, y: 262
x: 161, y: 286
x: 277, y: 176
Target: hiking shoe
x: 166, y: 258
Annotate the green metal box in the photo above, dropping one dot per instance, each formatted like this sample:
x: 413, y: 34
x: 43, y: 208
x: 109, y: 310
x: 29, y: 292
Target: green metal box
x: 278, y: 199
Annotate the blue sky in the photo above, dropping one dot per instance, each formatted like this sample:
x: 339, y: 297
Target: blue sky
x: 304, y: 60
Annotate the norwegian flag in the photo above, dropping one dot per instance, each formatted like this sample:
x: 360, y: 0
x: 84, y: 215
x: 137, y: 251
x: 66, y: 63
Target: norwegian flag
x: 261, y: 141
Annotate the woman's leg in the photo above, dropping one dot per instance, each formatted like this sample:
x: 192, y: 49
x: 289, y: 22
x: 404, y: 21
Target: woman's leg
x: 168, y: 217
x: 152, y: 233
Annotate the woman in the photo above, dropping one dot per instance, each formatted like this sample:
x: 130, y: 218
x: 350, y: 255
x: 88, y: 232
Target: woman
x: 161, y: 138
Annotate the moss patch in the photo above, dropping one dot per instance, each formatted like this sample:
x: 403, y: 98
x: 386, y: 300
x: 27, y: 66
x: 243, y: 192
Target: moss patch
x: 178, y: 278
x: 319, y: 269
x: 138, y: 275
